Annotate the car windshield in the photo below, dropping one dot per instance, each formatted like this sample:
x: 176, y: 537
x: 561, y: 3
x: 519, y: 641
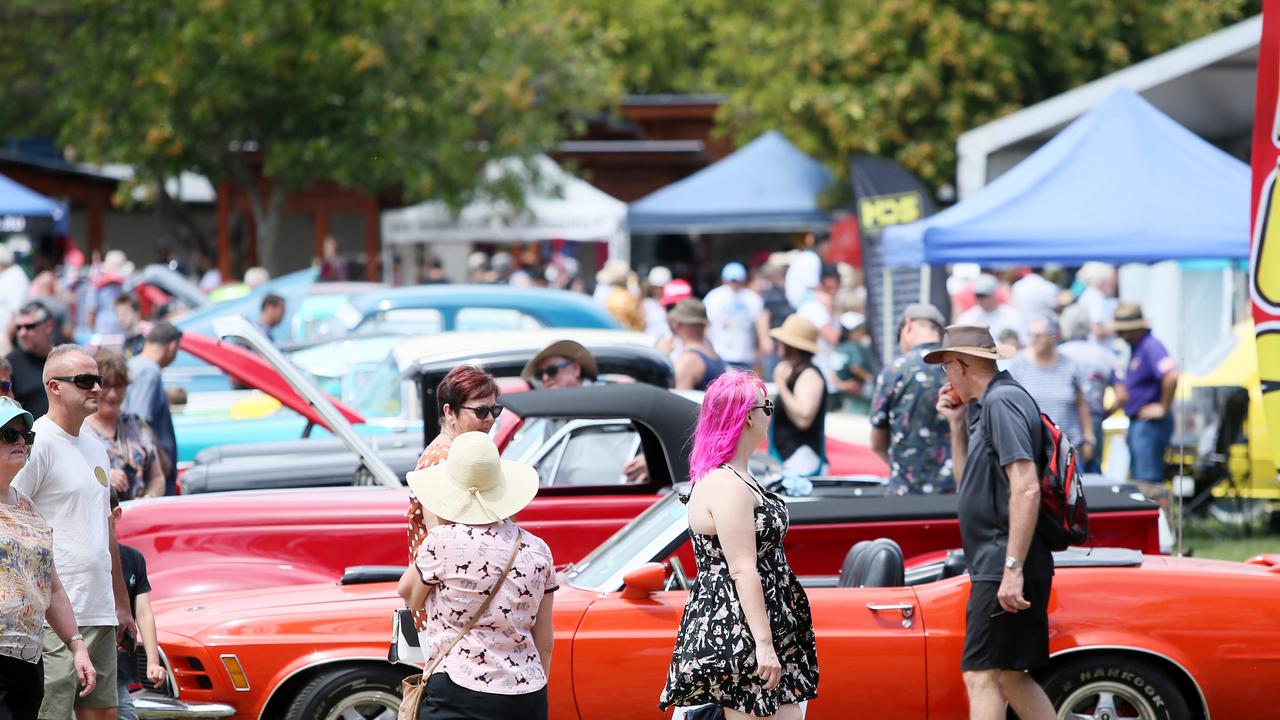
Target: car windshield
x: 380, y: 396
x: 649, y: 537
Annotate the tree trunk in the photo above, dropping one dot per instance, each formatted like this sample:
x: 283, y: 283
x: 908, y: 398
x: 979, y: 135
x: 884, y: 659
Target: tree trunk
x: 267, y: 212
x: 176, y: 218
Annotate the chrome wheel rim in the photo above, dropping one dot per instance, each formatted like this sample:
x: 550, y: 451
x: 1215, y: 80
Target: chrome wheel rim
x: 1106, y: 701
x: 366, y: 705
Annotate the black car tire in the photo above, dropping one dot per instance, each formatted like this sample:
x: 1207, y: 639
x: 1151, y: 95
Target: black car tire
x: 369, y: 689
x: 1133, y: 684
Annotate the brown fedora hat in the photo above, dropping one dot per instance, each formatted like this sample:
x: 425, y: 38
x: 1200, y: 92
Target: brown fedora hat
x: 689, y: 311
x: 798, y: 333
x: 972, y: 340
x: 1128, y: 316
x: 566, y: 349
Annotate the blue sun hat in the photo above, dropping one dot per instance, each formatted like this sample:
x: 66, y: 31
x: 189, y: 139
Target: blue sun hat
x: 10, y: 409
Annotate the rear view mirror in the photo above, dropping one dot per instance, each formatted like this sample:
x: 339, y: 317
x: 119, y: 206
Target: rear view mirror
x: 646, y: 579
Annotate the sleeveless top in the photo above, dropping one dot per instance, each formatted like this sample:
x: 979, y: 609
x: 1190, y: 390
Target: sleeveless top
x: 715, y: 656
x: 715, y: 367
x: 787, y: 438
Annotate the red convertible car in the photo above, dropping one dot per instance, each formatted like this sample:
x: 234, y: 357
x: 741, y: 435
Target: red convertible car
x: 244, y: 540
x: 1132, y: 636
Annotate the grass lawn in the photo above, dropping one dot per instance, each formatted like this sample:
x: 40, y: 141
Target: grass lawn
x: 1211, y: 539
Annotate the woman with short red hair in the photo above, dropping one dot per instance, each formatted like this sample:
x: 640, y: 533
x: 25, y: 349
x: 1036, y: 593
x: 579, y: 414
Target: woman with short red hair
x: 468, y: 402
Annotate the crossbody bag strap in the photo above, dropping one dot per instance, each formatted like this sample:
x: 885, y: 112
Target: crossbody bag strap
x: 484, y: 606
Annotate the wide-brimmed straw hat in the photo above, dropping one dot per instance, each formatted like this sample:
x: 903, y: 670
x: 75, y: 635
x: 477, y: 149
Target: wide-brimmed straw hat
x: 474, y: 486
x: 972, y: 340
x: 1128, y: 316
x: 565, y: 349
x: 690, y: 311
x: 798, y: 333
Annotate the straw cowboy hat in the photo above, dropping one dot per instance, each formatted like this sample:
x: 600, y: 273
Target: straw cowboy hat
x: 565, y: 349
x: 972, y: 340
x: 1128, y: 316
x: 474, y: 486
x: 798, y: 333
x: 690, y: 311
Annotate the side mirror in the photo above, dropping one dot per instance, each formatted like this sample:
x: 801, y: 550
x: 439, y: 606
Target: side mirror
x: 646, y: 579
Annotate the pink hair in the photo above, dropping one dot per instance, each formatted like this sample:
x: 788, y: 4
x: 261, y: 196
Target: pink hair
x: 725, y: 408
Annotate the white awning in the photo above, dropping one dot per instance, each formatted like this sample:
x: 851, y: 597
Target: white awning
x: 561, y: 207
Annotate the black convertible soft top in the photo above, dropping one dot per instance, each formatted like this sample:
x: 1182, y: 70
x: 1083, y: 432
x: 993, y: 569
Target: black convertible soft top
x: 664, y: 419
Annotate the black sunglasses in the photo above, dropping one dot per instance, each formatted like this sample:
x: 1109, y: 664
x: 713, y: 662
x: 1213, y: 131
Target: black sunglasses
x: 484, y: 411
x: 84, y: 381
x: 767, y: 407
x: 11, y: 435
x: 29, y: 326
x: 6, y: 386
x: 551, y: 371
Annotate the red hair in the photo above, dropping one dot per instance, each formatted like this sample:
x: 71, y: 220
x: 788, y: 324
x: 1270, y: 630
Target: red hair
x: 464, y: 383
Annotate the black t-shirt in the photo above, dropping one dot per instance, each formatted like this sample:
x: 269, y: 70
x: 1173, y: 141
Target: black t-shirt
x: 133, y: 566
x: 28, y: 381
x: 1016, y: 433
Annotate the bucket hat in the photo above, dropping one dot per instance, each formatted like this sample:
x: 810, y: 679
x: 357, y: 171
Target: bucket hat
x: 972, y: 340
x: 474, y: 486
x: 565, y: 349
x: 1128, y: 316
x: 690, y: 311
x: 798, y: 333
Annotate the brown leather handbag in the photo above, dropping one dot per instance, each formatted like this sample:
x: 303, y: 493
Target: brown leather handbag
x: 414, y: 687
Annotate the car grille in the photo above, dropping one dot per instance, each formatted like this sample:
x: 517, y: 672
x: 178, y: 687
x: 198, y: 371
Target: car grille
x: 166, y: 688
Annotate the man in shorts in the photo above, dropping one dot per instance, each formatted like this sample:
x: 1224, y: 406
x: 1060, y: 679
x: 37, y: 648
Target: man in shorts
x: 66, y: 477
x: 996, y: 439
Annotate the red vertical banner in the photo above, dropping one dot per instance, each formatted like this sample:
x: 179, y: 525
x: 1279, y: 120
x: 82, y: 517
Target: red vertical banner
x: 1264, y: 262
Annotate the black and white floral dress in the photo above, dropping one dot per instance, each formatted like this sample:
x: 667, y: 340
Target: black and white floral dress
x: 715, y: 656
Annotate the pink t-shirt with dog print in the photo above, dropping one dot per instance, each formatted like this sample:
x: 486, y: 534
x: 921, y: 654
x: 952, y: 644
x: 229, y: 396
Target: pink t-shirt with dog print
x: 463, y: 562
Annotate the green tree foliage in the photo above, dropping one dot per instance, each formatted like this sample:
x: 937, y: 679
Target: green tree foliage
x: 374, y: 94
x: 903, y: 78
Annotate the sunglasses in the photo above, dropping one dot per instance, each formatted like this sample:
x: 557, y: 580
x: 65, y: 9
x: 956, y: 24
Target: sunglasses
x: 28, y: 326
x: 550, y: 371
x: 11, y: 435
x: 84, y: 381
x: 6, y: 386
x: 484, y: 411
x: 767, y: 407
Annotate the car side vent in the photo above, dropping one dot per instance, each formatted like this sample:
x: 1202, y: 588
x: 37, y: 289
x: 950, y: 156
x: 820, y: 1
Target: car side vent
x: 365, y: 574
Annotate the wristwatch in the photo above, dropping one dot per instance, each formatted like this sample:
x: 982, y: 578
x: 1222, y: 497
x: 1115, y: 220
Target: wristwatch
x: 74, y: 638
x: 1012, y: 564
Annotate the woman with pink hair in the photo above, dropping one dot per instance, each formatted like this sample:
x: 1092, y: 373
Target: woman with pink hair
x: 746, y: 642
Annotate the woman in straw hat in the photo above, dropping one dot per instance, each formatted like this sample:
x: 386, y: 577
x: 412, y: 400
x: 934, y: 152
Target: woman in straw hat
x: 487, y: 588
x: 31, y: 595
x: 467, y: 399
x: 746, y: 641
x: 799, y: 433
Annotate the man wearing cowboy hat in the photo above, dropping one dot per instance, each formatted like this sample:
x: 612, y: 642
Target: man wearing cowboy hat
x: 1146, y: 394
x: 996, y: 436
x: 562, y: 364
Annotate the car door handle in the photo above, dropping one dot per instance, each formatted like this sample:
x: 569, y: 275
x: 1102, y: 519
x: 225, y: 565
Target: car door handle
x: 907, y: 609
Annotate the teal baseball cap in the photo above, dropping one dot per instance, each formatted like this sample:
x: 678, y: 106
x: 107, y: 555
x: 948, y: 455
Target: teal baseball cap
x: 9, y: 409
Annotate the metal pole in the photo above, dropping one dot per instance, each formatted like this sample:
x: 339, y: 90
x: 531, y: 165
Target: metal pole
x: 926, y: 280
x: 886, y: 316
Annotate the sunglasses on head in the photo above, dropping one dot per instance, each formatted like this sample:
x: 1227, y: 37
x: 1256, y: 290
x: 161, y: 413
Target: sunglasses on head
x: 84, y: 381
x: 11, y: 435
x: 484, y: 411
x: 549, y: 371
x: 767, y: 407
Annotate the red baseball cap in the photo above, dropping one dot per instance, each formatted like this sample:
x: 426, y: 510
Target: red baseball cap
x: 675, y: 291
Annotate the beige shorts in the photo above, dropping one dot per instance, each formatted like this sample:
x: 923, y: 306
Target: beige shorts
x: 60, y: 686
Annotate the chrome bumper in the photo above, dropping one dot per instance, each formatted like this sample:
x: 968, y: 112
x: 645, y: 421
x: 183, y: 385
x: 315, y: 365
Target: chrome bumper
x: 153, y: 706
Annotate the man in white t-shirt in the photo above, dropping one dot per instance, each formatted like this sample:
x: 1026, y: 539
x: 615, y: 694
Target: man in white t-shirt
x: 819, y: 309
x: 997, y: 316
x: 1035, y: 296
x: 732, y: 309
x: 805, y: 270
x: 66, y: 478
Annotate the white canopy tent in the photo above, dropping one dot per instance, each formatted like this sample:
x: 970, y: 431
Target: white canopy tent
x: 557, y: 206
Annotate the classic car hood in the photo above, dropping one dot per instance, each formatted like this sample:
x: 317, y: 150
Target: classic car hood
x: 298, y: 609
x: 246, y: 367
x: 301, y: 506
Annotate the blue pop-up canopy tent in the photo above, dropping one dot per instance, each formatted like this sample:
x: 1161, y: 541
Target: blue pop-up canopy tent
x: 1123, y: 183
x: 768, y: 185
x: 23, y: 210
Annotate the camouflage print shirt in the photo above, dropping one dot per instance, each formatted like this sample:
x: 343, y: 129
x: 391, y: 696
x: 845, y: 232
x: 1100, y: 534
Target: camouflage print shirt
x: 919, y: 437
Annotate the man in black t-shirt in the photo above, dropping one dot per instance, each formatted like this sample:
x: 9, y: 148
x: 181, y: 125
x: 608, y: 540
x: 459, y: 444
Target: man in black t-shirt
x: 996, y: 440
x: 34, y: 327
x: 134, y: 568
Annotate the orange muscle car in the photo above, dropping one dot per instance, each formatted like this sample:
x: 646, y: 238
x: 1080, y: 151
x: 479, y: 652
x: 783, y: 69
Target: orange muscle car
x: 1133, y: 636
